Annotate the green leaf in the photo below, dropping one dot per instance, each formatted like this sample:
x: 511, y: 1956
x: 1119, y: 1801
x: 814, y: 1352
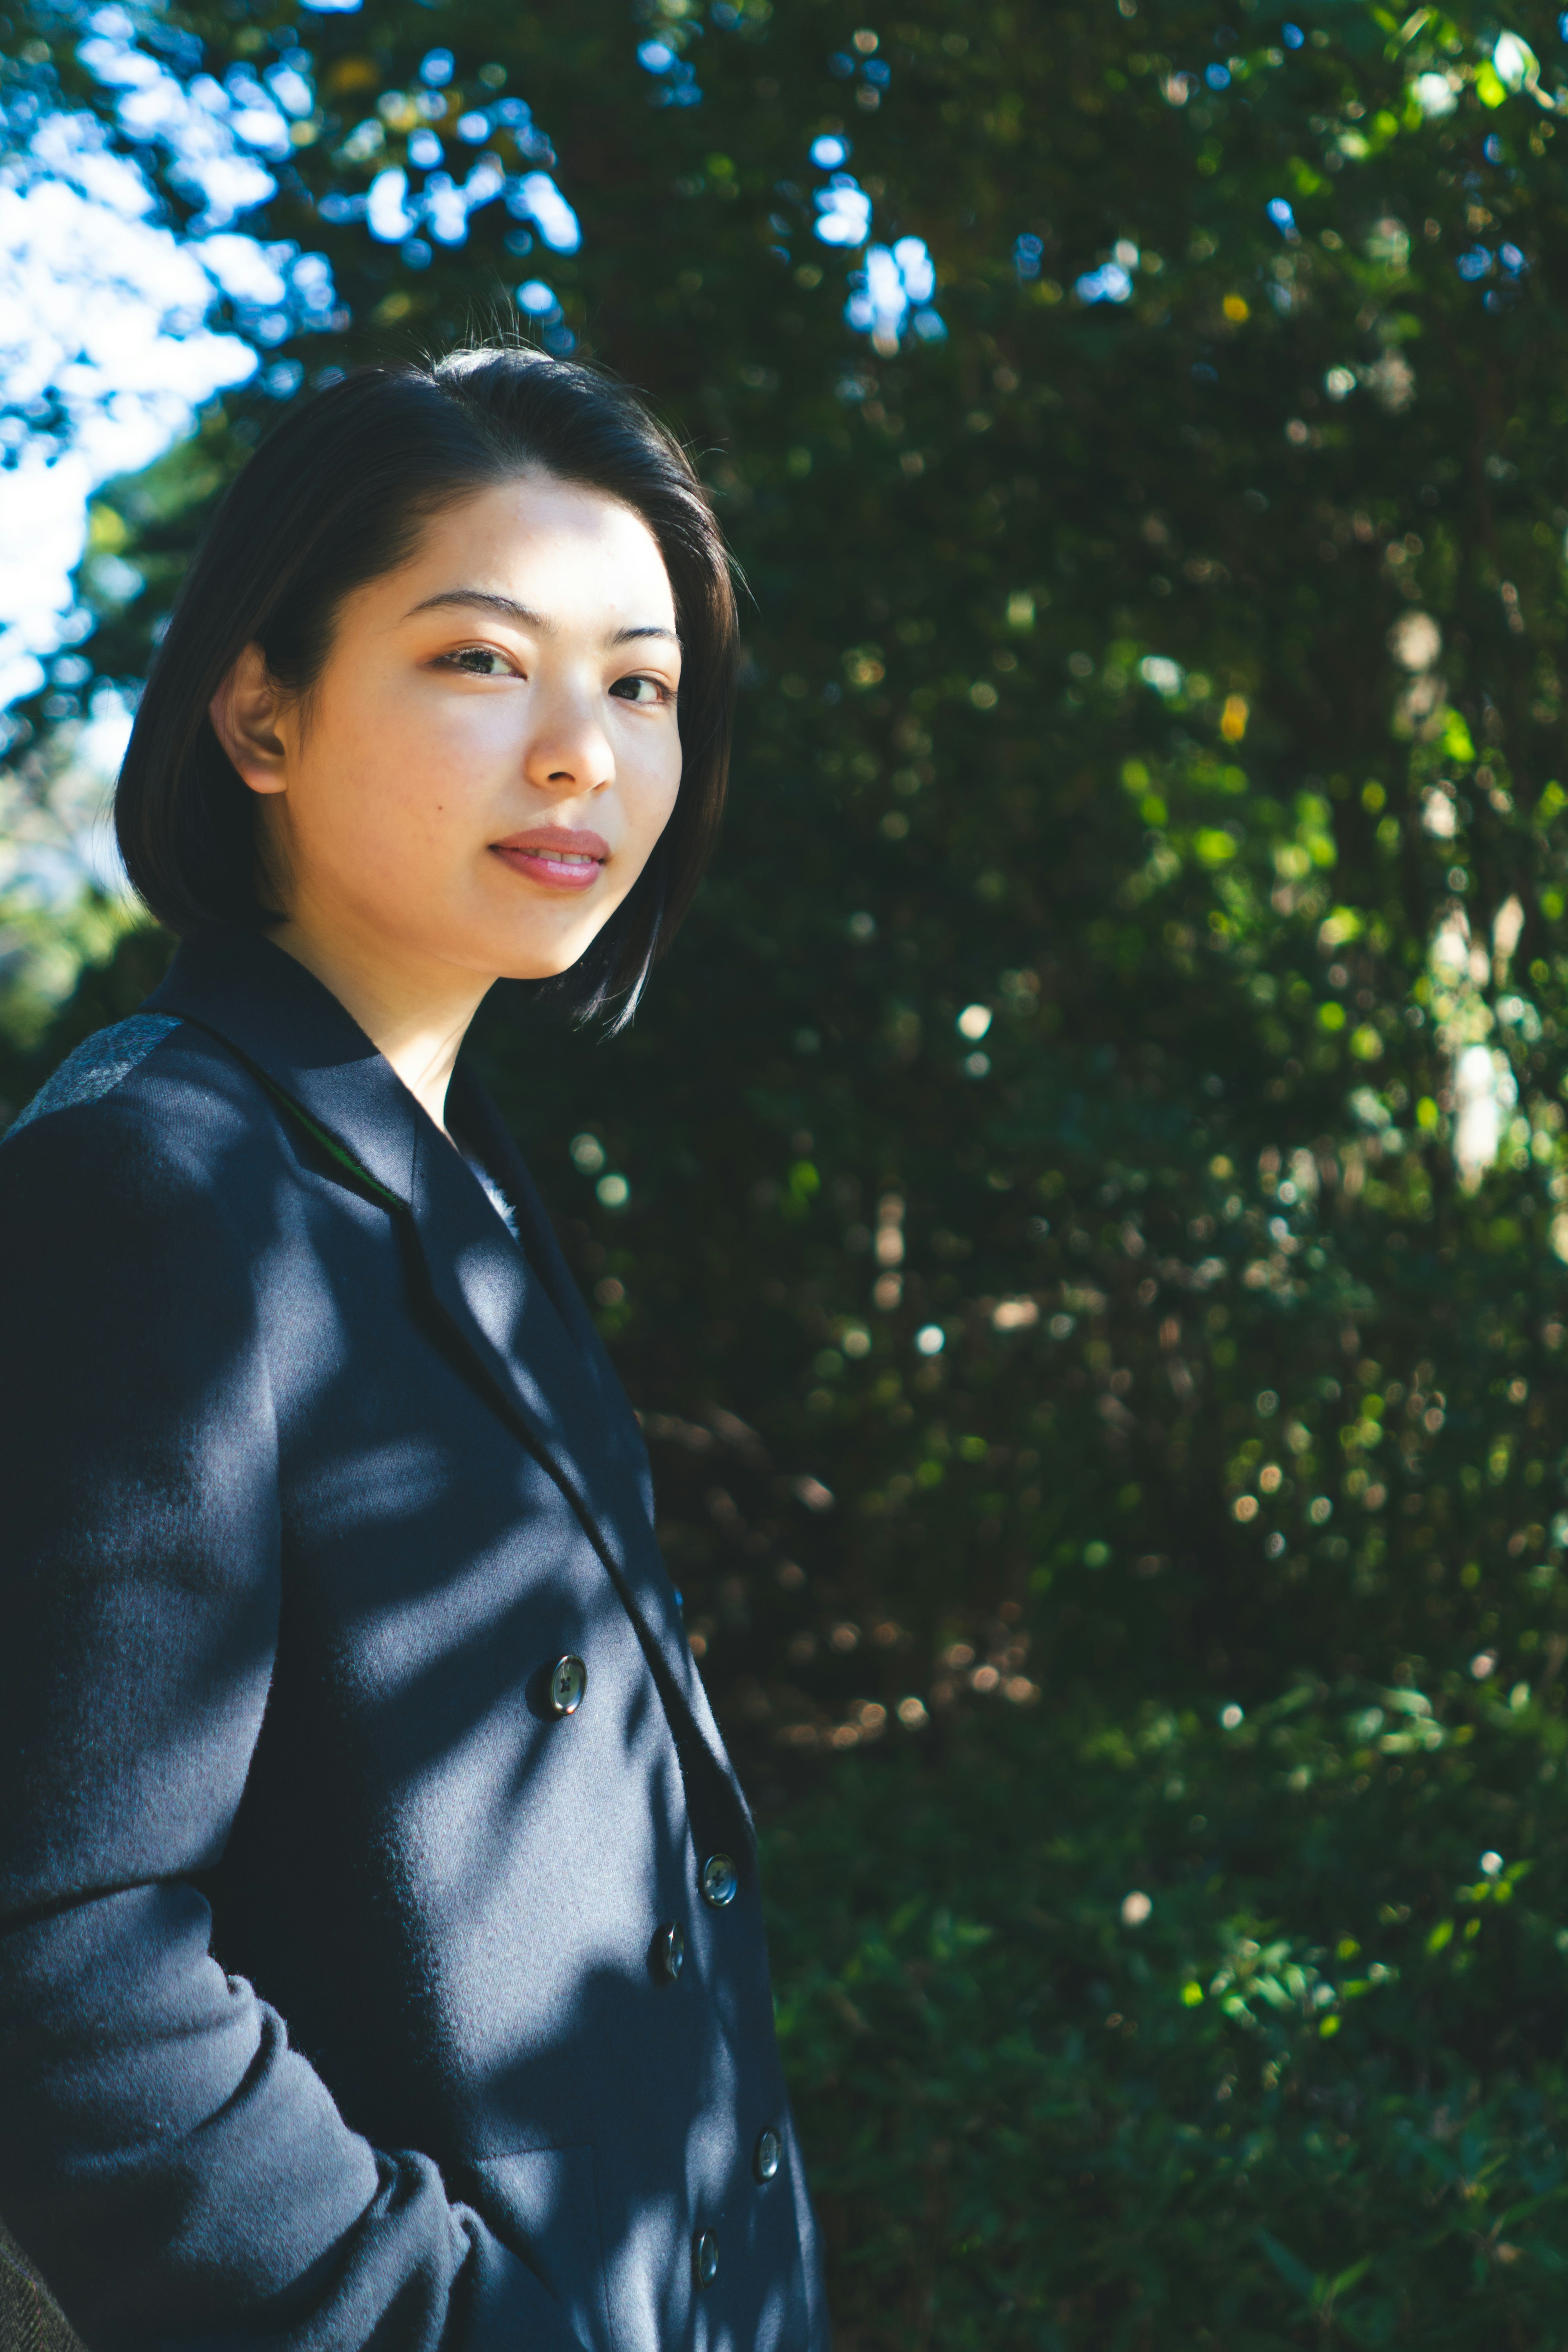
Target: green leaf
x: 1294, y: 2273
x: 1347, y: 2279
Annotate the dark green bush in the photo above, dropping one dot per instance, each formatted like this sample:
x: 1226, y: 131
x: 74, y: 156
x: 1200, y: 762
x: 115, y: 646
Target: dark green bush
x: 1129, y: 2029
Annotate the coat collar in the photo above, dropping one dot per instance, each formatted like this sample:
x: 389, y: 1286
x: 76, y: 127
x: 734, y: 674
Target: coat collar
x: 517, y: 1312
x: 279, y: 1017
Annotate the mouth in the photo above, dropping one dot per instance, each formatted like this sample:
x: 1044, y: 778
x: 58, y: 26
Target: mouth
x: 550, y: 855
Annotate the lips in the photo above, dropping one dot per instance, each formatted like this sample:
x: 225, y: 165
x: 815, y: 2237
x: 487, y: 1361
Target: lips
x: 550, y: 855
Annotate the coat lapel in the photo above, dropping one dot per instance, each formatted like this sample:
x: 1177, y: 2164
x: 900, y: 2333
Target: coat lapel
x: 474, y: 1117
x: 599, y: 1402
x: 522, y: 1317
x: 517, y: 1312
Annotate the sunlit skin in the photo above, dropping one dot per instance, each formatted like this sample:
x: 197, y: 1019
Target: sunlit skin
x: 481, y: 771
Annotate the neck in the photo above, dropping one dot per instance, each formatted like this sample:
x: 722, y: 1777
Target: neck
x: 415, y: 1014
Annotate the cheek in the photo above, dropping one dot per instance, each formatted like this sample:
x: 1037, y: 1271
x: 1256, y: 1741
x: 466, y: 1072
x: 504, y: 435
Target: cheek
x: 653, y: 783
x: 391, y: 760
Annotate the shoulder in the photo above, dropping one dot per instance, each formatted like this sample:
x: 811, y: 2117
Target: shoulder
x: 127, y: 1265
x: 100, y: 1064
x: 153, y: 1102
x: 120, y: 1211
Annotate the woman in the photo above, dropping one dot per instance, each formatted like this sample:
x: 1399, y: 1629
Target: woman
x: 379, y: 1951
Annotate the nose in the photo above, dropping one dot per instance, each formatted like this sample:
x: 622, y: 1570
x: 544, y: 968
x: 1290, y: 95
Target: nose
x: 568, y: 753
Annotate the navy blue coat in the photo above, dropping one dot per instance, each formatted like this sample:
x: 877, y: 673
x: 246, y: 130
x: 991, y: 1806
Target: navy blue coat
x: 335, y: 1998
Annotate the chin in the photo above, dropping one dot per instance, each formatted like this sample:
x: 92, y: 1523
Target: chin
x: 549, y: 961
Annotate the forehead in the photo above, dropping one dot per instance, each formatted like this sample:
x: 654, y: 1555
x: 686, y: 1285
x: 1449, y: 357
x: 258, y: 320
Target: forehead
x: 557, y: 547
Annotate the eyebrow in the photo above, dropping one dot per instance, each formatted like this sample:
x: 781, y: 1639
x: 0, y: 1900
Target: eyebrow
x: 508, y: 609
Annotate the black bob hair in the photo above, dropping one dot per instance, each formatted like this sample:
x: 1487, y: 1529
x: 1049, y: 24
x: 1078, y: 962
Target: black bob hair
x: 335, y: 497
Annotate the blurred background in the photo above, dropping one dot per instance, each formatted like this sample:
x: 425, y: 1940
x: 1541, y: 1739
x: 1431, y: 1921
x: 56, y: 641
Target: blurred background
x: 1084, y: 1211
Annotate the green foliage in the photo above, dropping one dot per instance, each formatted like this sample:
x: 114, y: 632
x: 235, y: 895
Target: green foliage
x: 1134, y: 2029
x: 1038, y: 1212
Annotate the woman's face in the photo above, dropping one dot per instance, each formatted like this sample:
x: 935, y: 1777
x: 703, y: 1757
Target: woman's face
x: 490, y: 753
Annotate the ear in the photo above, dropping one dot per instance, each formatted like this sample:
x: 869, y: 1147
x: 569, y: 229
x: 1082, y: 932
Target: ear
x: 245, y: 713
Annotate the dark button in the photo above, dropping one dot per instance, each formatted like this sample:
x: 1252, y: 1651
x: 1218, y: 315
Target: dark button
x: 568, y: 1681
x: 769, y: 2148
x: 705, y: 2257
x: 719, y: 1881
x: 668, y: 1952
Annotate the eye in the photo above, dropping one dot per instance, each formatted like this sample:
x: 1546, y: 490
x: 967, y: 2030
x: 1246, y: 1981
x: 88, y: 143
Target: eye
x: 643, y: 691
x: 476, y: 661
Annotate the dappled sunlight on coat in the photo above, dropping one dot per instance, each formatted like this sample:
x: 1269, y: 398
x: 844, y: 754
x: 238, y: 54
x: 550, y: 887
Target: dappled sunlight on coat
x: 288, y: 1690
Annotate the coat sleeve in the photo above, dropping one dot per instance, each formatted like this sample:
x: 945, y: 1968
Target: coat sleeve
x: 177, y: 2173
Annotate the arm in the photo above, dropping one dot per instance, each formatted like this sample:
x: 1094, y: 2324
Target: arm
x: 176, y: 2172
